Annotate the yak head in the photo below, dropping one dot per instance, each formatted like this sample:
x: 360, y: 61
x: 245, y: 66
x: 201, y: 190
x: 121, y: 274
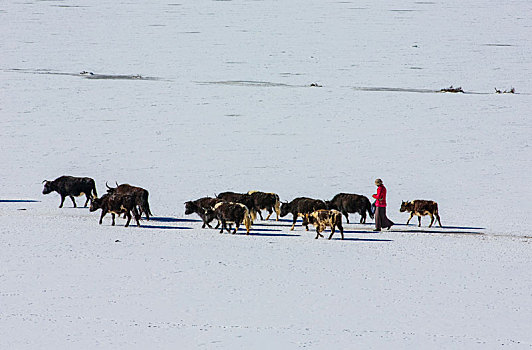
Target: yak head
x: 190, y: 207
x: 111, y: 190
x: 47, y: 187
x: 405, y: 206
x: 330, y: 205
x: 97, y: 203
x: 285, y: 209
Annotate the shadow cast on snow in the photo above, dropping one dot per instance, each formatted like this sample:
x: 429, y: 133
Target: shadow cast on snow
x: 463, y: 228
x: 365, y: 231
x: 159, y: 227
x: 261, y: 228
x: 441, y: 232
x: 362, y: 239
x: 18, y: 201
x: 171, y: 219
x: 272, y: 234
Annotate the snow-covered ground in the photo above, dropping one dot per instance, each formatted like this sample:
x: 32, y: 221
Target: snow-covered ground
x: 193, y: 98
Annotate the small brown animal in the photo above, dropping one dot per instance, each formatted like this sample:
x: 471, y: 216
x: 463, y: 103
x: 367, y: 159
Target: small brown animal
x: 228, y: 213
x: 200, y: 207
x: 116, y: 204
x: 322, y: 218
x: 421, y: 208
x: 268, y: 201
x: 140, y: 195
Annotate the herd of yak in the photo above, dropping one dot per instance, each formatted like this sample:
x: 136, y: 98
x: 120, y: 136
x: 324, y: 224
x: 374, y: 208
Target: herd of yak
x: 230, y: 208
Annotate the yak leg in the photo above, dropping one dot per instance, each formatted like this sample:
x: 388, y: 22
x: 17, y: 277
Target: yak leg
x: 113, y: 216
x: 101, y: 216
x: 294, y: 219
x: 332, y: 231
x: 136, y: 215
x: 431, y: 219
x: 62, y: 201
x: 341, y: 228
x: 128, y: 215
x: 318, y: 234
x: 260, y: 214
x: 73, y: 201
x: 419, y: 219
x: 205, y: 223
x: 223, y: 225
x: 270, y: 212
x: 363, y: 217
x: 346, y: 214
x: 237, y: 225
x: 410, y: 218
x: 305, y: 222
x: 438, y: 218
x: 88, y: 199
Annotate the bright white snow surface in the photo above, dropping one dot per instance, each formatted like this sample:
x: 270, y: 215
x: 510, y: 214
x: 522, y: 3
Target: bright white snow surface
x: 192, y: 98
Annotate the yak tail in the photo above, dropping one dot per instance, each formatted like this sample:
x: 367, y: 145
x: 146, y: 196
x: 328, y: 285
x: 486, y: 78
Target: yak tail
x: 146, y: 209
x: 145, y: 206
x: 253, y: 214
x: 247, y: 220
x: 277, y: 207
x: 94, y: 190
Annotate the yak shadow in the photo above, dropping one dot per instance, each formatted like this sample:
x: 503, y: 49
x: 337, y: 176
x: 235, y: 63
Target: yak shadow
x: 265, y: 229
x: 362, y: 231
x: 18, y: 201
x: 284, y: 220
x: 159, y: 227
x: 441, y: 232
x: 444, y: 227
x: 464, y: 228
x: 272, y: 234
x: 362, y: 239
x: 171, y: 219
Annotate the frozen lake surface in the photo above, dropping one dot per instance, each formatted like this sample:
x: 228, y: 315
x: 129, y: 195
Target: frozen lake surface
x: 189, y: 99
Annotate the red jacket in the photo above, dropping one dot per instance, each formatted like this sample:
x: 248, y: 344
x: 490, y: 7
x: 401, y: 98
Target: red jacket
x: 380, y: 196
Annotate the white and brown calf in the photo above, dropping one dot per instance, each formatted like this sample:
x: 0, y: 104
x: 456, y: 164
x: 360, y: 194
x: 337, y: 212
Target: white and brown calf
x: 323, y: 218
x: 421, y: 208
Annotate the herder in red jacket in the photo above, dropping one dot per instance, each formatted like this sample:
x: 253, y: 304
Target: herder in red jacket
x: 381, y: 220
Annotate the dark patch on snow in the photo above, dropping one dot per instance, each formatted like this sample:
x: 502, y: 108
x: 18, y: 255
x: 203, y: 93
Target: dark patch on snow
x: 159, y: 227
x: 361, y: 239
x: 171, y: 219
x: 86, y: 74
x: 499, y: 45
x: 250, y: 83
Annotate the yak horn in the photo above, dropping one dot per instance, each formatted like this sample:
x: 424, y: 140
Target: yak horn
x: 106, y: 185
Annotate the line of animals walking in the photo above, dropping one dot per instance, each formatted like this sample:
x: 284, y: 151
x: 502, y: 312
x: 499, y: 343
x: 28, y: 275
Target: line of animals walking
x: 231, y: 208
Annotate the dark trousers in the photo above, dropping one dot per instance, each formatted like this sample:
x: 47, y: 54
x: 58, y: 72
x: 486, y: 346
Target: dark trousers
x: 381, y: 220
